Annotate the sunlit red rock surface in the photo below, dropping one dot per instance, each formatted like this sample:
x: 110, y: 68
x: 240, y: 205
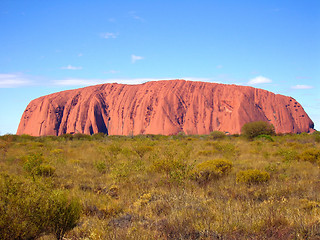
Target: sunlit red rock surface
x: 161, y: 107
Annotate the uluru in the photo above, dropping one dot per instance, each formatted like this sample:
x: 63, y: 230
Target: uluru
x: 161, y: 107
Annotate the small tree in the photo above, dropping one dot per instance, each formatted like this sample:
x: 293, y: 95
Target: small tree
x: 28, y: 209
x: 64, y: 213
x: 253, y: 129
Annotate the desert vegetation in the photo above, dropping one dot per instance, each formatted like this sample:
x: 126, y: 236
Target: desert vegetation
x: 160, y: 187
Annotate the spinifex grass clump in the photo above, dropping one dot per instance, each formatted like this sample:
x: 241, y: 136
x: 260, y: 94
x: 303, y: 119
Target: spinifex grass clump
x: 311, y: 155
x: 252, y: 176
x: 209, y: 170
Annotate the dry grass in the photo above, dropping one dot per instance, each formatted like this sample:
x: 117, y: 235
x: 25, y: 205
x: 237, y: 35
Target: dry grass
x: 142, y: 187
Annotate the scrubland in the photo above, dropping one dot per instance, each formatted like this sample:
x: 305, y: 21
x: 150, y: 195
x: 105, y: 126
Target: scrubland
x: 160, y: 187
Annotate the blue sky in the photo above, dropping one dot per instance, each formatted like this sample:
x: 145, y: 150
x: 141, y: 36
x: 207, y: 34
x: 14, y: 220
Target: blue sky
x: 49, y: 46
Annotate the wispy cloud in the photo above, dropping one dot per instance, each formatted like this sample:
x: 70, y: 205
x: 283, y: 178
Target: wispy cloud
x: 302, y: 77
x: 135, y: 58
x: 134, y: 15
x: 112, y: 71
x: 70, y: 67
x: 13, y: 81
x: 77, y: 82
x: 109, y: 35
x: 219, y: 66
x: 198, y: 79
x: 302, y: 87
x: 259, y: 80
x: 88, y: 82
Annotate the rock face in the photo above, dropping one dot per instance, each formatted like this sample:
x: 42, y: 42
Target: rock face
x: 161, y: 107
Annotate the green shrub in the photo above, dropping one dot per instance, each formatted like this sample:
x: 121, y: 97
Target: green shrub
x: 81, y: 136
x: 311, y: 155
x: 141, y: 150
x: 175, y: 170
x: 22, y: 205
x: 98, y: 136
x: 266, y: 137
x: 114, y: 150
x: 206, y: 152
x: 66, y: 137
x: 253, y: 129
x: 316, y: 135
x: 64, y: 213
x: 35, y: 166
x: 288, y: 154
x: 228, y: 150
x: 217, y: 135
x: 101, y: 166
x: 209, y: 170
x: 45, y: 170
x: 252, y: 176
x: 29, y: 210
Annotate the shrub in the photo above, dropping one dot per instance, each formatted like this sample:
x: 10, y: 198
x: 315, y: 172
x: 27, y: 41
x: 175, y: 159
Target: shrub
x: 206, y: 171
x: 316, y: 135
x: 98, y: 136
x: 45, y: 170
x: 141, y: 150
x: 114, y: 150
x: 252, y: 176
x: 266, y: 137
x: 81, y: 136
x: 206, y: 152
x: 34, y: 165
x: 21, y: 209
x: 253, y: 129
x: 66, y: 137
x: 175, y: 170
x: 64, y: 213
x: 28, y: 210
x: 228, y: 150
x: 309, y: 205
x: 288, y: 154
x: 217, y: 135
x: 311, y: 155
x: 101, y: 166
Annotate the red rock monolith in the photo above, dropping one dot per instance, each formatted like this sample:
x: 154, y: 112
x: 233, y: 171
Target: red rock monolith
x: 161, y: 107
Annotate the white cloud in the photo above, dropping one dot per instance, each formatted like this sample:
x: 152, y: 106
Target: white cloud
x: 135, y: 58
x: 135, y: 16
x: 13, y: 81
x: 69, y: 67
x: 77, y: 82
x: 112, y: 71
x: 219, y: 66
x: 109, y: 35
x: 302, y: 87
x: 195, y: 79
x: 259, y: 80
x: 89, y: 82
